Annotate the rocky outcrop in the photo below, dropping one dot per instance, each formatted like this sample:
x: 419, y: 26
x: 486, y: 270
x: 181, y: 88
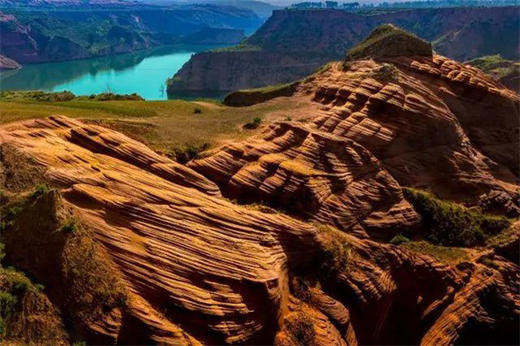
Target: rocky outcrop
x: 197, y: 268
x: 300, y: 41
x: 249, y: 97
x: 389, y: 41
x: 421, y: 121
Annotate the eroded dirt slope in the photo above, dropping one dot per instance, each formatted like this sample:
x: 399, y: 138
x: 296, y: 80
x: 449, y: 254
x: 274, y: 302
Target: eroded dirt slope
x: 169, y: 254
x: 373, y: 127
x: 199, y: 269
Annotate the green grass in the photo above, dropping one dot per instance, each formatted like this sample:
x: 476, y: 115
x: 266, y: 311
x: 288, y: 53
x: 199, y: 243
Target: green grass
x: 267, y: 89
x: 441, y: 253
x: 163, y: 125
x: 14, y: 285
x: 248, y: 97
x: 399, y: 239
x: 388, y: 40
x: 333, y: 251
x: 495, y: 65
x: 40, y: 189
x: 451, y: 224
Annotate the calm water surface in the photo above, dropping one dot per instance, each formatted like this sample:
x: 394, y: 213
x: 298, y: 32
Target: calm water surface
x: 143, y: 72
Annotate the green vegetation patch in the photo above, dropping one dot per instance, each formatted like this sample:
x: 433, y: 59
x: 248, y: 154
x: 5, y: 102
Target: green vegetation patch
x: 399, y: 239
x: 253, y: 124
x: 389, y: 41
x: 114, y: 97
x: 241, y: 47
x: 451, y: 224
x: 301, y: 328
x: 40, y: 96
x: 162, y: 125
x: 185, y: 153
x: 333, y: 251
x: 441, y: 253
x: 63, y: 96
x: 496, y: 66
x: 248, y: 97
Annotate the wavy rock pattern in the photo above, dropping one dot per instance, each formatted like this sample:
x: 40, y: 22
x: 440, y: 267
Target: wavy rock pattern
x: 199, y: 269
x: 312, y: 173
x: 379, y: 127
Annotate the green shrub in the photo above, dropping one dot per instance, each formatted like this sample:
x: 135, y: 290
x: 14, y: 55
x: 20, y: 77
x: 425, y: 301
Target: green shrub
x: 13, y: 211
x: 7, y: 303
x: 333, y: 251
x: 7, y: 306
x: 301, y: 328
x: 451, y: 224
x: 69, y: 226
x: 187, y: 153
x: 399, y: 239
x: 109, y: 96
x: 40, y: 190
x: 387, y: 73
x: 253, y: 124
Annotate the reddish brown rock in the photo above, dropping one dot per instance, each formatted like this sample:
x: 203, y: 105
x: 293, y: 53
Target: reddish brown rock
x: 421, y: 122
x: 197, y: 268
x: 200, y: 269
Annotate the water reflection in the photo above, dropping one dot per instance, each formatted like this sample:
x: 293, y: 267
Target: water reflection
x: 144, y: 72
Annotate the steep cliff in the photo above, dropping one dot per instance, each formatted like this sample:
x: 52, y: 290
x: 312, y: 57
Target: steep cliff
x: 294, y: 43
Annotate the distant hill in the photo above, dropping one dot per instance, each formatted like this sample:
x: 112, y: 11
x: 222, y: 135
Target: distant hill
x: 42, y: 34
x: 262, y: 8
x: 505, y: 71
x: 294, y: 43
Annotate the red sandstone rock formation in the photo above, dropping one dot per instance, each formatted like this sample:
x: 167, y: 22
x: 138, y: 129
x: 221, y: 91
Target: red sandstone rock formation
x: 199, y: 269
x: 423, y: 122
x: 196, y: 268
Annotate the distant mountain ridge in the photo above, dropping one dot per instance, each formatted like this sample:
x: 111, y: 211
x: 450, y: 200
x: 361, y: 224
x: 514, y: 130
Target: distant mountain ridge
x: 293, y: 43
x: 64, y: 2
x: 41, y: 34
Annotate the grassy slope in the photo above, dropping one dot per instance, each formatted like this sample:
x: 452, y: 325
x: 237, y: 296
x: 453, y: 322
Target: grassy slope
x: 495, y: 65
x: 163, y: 125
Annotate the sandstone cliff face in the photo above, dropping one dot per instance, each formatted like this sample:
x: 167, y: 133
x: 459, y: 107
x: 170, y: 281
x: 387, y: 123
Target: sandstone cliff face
x: 233, y: 70
x: 300, y: 41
